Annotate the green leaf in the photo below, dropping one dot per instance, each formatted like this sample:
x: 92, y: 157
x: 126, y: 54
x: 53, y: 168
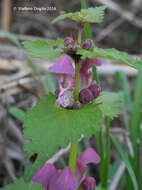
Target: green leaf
x: 90, y: 15
x: 60, y: 43
x: 51, y: 82
x: 135, y: 124
x: 87, y: 28
x: 98, y: 188
x: 18, y: 113
x: 42, y: 49
x: 113, y: 54
x: 19, y: 184
x: 127, y: 162
x: 49, y: 127
x: 137, y: 64
x: 109, y: 102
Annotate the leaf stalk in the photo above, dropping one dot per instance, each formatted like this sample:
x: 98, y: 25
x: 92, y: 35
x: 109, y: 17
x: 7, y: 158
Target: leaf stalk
x: 73, y: 156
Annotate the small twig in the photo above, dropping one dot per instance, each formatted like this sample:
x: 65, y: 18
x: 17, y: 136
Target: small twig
x: 27, y: 90
x: 59, y: 154
x: 16, y: 83
x: 109, y: 29
x: 127, y: 15
x: 10, y: 168
x: 6, y: 14
x: 117, y: 177
x: 118, y: 130
x: 22, y: 37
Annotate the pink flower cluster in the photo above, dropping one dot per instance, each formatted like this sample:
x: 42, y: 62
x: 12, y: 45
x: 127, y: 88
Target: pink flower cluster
x: 64, y: 179
x: 65, y: 68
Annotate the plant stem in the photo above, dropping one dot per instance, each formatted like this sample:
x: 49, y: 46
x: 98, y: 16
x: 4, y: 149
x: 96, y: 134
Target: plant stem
x: 79, y: 35
x: 135, y: 125
x: 95, y: 74
x: 80, y: 30
x: 107, y: 155
x: 101, y: 148
x: 77, y: 80
x: 88, y: 33
x: 73, y: 156
x: 83, y: 4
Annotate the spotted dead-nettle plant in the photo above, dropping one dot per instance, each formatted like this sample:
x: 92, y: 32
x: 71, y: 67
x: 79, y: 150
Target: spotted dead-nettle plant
x: 75, y: 108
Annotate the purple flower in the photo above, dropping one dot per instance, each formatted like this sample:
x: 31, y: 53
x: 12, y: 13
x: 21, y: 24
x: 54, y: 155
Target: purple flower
x: 85, y: 96
x: 88, y: 184
x: 66, y: 79
x: 63, y: 65
x: 95, y: 89
x: 64, y: 179
x: 65, y: 99
x: 69, y: 41
x: 88, y: 44
x: 86, y: 75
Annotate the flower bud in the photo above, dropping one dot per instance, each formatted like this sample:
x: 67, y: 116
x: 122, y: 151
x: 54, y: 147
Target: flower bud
x: 95, y: 89
x: 57, y: 92
x: 88, y: 44
x: 69, y: 50
x: 85, y: 96
x: 88, y: 184
x: 76, y: 47
x: 77, y: 105
x: 68, y: 41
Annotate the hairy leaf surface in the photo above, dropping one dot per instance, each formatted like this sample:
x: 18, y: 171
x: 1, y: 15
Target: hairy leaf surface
x: 109, y: 103
x: 19, y: 184
x: 43, y: 50
x: 90, y: 15
x: 113, y: 54
x: 49, y: 127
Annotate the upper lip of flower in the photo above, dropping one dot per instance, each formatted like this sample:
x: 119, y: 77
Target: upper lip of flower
x: 63, y: 65
x: 65, y: 178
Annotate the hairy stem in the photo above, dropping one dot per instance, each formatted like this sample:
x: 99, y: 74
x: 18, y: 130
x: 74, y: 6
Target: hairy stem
x: 73, y: 156
x: 79, y: 35
x: 80, y: 30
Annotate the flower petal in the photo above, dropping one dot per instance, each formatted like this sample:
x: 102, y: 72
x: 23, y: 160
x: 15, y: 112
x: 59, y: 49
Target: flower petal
x: 81, y: 170
x: 89, y: 156
x: 88, y: 184
x: 62, y: 65
x: 86, y: 72
x: 43, y: 175
x: 66, y: 81
x: 65, y: 99
x: 63, y: 180
x: 95, y: 62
